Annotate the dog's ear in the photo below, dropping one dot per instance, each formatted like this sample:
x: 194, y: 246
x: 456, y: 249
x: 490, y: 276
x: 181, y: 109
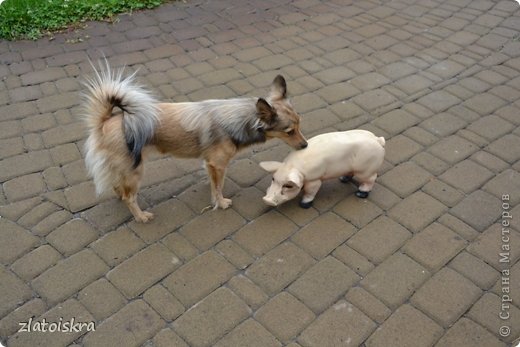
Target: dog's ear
x: 265, y: 112
x: 270, y: 166
x: 278, y: 88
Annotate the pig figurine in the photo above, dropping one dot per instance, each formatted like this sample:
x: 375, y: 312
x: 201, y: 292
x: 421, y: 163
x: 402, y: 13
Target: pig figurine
x: 346, y: 154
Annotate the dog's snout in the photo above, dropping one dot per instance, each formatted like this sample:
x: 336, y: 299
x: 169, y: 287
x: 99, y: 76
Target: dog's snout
x: 303, y: 145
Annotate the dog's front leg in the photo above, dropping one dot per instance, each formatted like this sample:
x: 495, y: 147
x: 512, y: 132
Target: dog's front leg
x: 216, y: 174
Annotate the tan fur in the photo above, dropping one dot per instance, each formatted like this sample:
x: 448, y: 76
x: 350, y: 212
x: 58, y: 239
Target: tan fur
x: 172, y: 136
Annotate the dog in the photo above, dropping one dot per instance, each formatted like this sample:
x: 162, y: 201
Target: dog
x: 125, y: 121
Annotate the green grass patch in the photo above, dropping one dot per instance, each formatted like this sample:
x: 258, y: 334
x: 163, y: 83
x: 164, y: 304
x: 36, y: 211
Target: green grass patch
x: 30, y: 19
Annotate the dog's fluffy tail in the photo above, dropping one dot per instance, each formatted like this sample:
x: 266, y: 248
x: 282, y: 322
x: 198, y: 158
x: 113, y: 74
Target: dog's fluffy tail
x: 104, y: 91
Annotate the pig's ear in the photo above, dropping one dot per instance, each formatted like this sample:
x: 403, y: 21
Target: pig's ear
x: 270, y: 166
x: 295, y: 177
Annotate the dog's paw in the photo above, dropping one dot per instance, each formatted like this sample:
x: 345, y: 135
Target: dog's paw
x: 144, y: 217
x: 224, y: 203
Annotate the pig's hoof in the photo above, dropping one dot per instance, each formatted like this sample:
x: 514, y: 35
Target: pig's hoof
x: 345, y: 179
x: 362, y: 195
x: 305, y: 204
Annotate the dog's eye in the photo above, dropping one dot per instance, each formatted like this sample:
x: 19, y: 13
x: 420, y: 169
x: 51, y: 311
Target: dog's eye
x: 288, y: 186
x: 291, y: 132
x: 272, y: 179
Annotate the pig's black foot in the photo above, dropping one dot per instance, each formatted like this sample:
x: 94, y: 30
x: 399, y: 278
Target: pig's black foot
x: 305, y: 205
x: 345, y: 179
x: 362, y: 195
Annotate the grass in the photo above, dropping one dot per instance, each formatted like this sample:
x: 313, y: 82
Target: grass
x: 31, y: 19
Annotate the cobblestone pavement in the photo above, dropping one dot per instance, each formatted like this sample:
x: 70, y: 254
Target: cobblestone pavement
x: 416, y: 264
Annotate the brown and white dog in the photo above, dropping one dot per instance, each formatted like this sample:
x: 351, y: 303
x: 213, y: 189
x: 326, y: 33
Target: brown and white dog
x: 214, y: 130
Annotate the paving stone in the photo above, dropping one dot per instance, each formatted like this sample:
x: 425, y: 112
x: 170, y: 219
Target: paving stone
x: 394, y: 280
x: 101, y: 299
x: 491, y: 127
x: 488, y: 246
x: 168, y: 216
x: 81, y: 196
x: 396, y: 330
x: 117, y: 245
x: 466, y: 176
x: 400, y: 148
x: 417, y: 211
x: 24, y: 187
x: 217, y: 314
x: 10, y: 323
x: 323, y: 235
x: 180, y: 246
x: 221, y: 224
x: 143, y: 269
x: 397, y: 70
x: 486, y: 313
x: 14, y: 241
x: 374, y: 99
x: 249, y: 333
x: 439, y: 101
x: 357, y: 211
x: 479, y: 210
x: 453, y: 149
x: 248, y: 291
x: 369, y: 81
x: 369, y: 304
x: 396, y: 121
x: 13, y: 292
x: 265, y: 232
x: 509, y: 179
x: 466, y: 333
x: 167, y: 337
x: 132, y: 325
x: 443, y: 124
x: 234, y: 254
x: 446, y: 309
x: 323, y: 284
x: 504, y: 148
x: 413, y: 84
x: 443, y: 192
x: 340, y: 324
x: 379, y: 239
x: 10, y: 147
x: 420, y: 136
x: 353, y: 259
x: 484, y: 103
x: 475, y: 269
x: 405, y: 179
x: 163, y: 302
x: 69, y: 275
x: 284, y: 316
x: 35, y: 262
x: 70, y: 309
x: 279, y: 267
x: 36, y: 212
x: 199, y: 277
x: 245, y: 202
x: 23, y: 164
x: 72, y: 236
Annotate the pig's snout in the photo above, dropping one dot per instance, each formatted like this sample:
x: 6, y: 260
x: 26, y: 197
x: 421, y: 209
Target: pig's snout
x: 269, y: 202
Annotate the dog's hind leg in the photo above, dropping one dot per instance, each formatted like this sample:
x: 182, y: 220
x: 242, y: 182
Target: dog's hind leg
x: 128, y: 192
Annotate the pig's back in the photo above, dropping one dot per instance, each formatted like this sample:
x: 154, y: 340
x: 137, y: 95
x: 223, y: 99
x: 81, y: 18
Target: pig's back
x: 341, y: 151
